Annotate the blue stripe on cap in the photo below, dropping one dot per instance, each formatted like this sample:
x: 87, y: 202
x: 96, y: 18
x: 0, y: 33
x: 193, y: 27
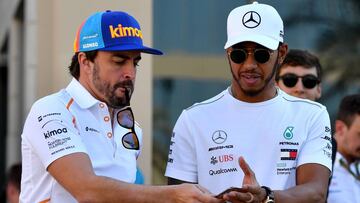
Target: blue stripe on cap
x: 91, y: 35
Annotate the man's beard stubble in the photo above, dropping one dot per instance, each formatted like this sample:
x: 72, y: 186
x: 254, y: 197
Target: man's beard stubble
x: 268, y: 80
x: 109, y: 92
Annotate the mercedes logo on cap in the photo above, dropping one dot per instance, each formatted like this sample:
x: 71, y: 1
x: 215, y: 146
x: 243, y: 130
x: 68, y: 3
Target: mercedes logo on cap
x: 219, y: 136
x: 251, y: 19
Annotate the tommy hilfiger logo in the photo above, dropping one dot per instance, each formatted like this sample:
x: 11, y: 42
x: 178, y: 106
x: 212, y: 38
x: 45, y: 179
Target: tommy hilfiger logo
x: 121, y: 31
x: 288, y: 154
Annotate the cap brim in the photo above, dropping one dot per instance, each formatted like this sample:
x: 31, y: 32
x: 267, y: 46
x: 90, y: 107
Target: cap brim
x: 259, y: 39
x: 132, y: 47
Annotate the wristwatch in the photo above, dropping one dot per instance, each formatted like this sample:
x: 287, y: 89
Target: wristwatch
x: 270, y: 196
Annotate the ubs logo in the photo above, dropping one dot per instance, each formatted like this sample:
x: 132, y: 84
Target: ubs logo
x: 219, y: 137
x: 251, y: 19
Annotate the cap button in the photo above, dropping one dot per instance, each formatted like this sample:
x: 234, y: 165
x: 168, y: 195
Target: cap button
x: 255, y: 2
x: 108, y: 10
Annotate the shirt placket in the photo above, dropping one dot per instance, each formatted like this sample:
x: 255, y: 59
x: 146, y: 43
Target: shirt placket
x: 106, y: 125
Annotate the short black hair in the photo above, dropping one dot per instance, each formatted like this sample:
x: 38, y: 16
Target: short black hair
x: 297, y: 57
x: 349, y: 107
x: 74, y: 67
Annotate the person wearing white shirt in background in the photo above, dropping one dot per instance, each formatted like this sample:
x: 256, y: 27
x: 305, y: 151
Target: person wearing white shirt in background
x: 345, y: 183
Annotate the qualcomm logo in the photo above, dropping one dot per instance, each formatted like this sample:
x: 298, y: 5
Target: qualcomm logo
x: 221, y: 170
x: 219, y: 136
x: 251, y: 19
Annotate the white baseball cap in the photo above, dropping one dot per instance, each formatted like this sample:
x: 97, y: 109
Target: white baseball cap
x: 259, y: 23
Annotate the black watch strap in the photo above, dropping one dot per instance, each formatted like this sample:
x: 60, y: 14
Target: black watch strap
x: 270, y: 196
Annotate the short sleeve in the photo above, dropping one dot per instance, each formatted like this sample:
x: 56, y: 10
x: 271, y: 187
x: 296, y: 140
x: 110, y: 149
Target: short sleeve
x: 50, y: 131
x: 182, y: 163
x: 317, y: 147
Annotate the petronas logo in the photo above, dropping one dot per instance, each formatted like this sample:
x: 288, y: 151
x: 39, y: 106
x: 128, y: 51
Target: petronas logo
x: 288, y: 134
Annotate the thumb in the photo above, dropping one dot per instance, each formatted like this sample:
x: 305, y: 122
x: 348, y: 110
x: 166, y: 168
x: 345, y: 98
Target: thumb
x: 245, y: 167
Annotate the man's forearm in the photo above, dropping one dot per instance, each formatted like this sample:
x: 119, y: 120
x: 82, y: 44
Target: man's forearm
x: 299, y: 194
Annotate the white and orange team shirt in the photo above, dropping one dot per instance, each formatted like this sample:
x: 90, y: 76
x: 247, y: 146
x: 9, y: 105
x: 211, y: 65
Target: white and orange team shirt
x: 275, y: 137
x: 67, y: 122
x: 344, y: 187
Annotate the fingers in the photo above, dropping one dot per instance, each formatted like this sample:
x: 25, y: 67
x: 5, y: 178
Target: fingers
x: 202, y: 189
x: 235, y: 197
x: 251, y: 198
x: 245, y: 167
x: 249, y: 175
x: 204, y: 196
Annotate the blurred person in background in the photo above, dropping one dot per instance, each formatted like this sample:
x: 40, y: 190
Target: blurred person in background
x: 345, y: 183
x: 12, y: 189
x: 300, y: 75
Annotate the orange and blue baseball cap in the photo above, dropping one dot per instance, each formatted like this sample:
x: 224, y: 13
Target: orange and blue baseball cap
x: 111, y: 31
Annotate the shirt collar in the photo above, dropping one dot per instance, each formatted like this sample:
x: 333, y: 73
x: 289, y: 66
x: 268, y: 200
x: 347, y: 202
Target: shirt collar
x: 81, y: 95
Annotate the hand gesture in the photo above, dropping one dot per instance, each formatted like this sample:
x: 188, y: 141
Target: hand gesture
x: 191, y: 193
x: 253, y: 193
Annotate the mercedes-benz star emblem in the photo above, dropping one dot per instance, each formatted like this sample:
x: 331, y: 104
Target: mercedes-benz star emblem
x: 219, y: 136
x: 251, y: 19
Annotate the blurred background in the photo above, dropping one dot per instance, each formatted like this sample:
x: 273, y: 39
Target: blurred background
x: 36, y: 39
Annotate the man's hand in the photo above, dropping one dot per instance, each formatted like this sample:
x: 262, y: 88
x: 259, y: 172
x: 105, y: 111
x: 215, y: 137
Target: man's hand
x: 192, y: 193
x: 253, y: 192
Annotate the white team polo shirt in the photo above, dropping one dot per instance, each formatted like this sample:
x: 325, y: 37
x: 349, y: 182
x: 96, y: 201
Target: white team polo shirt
x: 344, y: 187
x: 66, y: 122
x: 275, y: 137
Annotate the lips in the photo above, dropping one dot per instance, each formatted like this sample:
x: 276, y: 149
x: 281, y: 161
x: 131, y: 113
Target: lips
x: 250, y: 79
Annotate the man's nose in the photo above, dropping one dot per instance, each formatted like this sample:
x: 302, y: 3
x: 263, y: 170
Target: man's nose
x: 129, y: 70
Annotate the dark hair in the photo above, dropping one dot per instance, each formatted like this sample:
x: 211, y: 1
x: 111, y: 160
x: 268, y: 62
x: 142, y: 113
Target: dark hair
x: 14, y: 175
x: 349, y: 108
x: 296, y: 57
x: 74, y: 67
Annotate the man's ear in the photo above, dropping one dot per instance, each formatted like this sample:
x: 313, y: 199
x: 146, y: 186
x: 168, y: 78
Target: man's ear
x: 340, y: 129
x: 318, y: 89
x: 283, y: 49
x: 84, y: 63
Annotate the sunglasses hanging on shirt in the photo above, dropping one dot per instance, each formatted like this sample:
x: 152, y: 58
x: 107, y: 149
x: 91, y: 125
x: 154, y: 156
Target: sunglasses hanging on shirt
x: 125, y: 118
x: 308, y: 81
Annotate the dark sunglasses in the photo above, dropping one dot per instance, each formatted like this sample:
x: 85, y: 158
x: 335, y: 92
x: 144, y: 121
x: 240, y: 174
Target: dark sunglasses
x: 125, y: 118
x: 290, y: 80
x: 239, y: 55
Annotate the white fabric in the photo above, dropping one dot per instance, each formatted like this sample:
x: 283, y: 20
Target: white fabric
x: 263, y: 133
x: 344, y: 188
x: 52, y: 131
x: 255, y: 22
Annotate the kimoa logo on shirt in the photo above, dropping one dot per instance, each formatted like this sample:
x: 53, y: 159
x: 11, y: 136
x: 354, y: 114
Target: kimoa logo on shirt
x: 48, y: 134
x: 121, y: 31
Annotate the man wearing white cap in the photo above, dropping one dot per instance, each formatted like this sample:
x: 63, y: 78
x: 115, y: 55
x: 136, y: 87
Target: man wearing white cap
x: 284, y: 140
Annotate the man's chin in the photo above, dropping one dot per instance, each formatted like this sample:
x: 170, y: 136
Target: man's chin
x: 251, y: 92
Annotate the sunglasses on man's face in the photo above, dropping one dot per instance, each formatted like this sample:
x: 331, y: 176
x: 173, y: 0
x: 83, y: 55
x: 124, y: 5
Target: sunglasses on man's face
x: 240, y: 55
x: 290, y: 80
x: 125, y: 118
